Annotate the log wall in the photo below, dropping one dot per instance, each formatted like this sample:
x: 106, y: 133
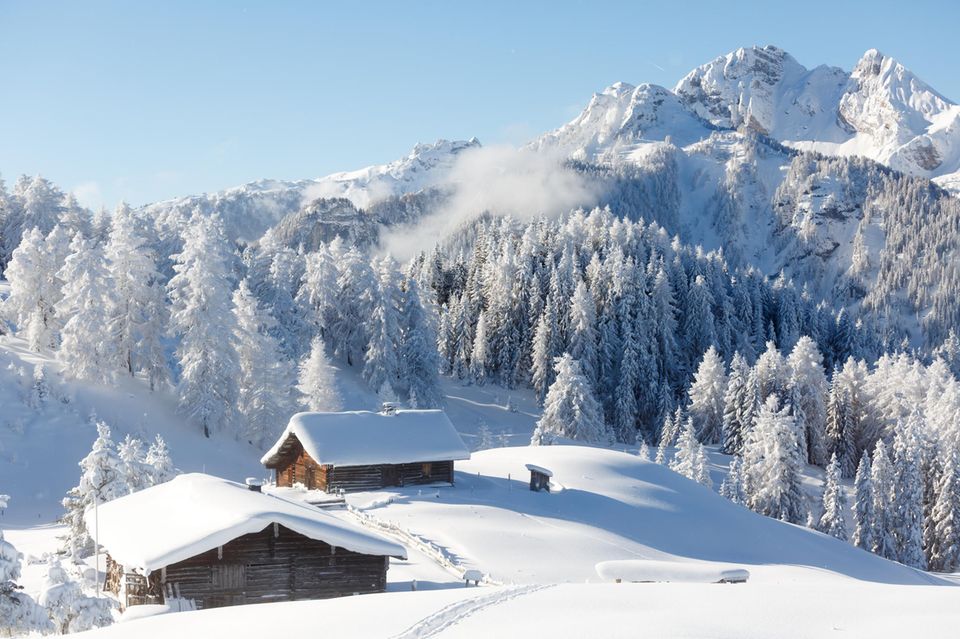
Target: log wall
x: 359, y: 478
x: 298, y: 467
x: 275, y: 564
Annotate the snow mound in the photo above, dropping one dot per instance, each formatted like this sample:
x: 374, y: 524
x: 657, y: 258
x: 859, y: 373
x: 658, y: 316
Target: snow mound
x: 614, y: 506
x: 194, y: 513
x: 613, y: 611
x: 643, y: 571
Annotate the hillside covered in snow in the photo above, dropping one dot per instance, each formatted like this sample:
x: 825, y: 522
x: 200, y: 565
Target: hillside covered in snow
x: 718, y: 320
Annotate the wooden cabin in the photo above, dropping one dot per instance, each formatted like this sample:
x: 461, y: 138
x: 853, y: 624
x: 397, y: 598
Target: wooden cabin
x: 363, y: 450
x: 219, y: 543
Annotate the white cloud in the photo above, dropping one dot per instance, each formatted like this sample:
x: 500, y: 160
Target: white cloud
x: 501, y: 180
x: 361, y: 195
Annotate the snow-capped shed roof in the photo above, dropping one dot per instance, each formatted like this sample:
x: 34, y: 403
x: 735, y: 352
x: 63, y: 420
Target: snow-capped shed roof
x: 360, y: 438
x: 533, y: 468
x: 194, y: 513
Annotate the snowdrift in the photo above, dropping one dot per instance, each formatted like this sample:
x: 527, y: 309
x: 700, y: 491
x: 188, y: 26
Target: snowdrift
x: 584, y: 610
x: 614, y: 507
x: 647, y: 571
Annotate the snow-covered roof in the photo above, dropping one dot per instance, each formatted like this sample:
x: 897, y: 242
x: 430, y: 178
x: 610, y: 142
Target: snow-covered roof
x: 358, y: 438
x: 194, y: 513
x: 533, y: 468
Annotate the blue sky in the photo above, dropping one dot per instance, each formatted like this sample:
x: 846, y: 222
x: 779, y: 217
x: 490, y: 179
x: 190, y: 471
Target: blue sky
x: 146, y: 101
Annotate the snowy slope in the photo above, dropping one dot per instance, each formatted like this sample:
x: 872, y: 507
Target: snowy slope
x: 610, y: 506
x: 40, y: 448
x: 743, y: 611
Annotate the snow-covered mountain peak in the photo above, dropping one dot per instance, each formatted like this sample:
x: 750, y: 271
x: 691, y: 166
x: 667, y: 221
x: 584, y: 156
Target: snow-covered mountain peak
x: 888, y: 100
x: 880, y: 110
x: 898, y: 119
x: 740, y: 88
x: 623, y: 115
x: 438, y: 151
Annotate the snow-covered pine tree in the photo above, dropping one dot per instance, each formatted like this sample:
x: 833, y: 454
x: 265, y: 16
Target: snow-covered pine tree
x: 202, y: 318
x: 40, y: 390
x: 738, y: 405
x: 570, y: 410
x: 356, y: 292
x: 462, y: 335
x: 19, y: 613
x: 663, y: 324
x: 625, y: 408
x: 706, y: 395
x: 732, y: 486
x: 68, y: 608
x: 945, y: 549
x: 35, y: 287
x: 807, y: 388
x: 772, y: 464
x: 419, y: 359
x: 316, y: 381
x: 85, y: 348
x: 669, y: 431
x: 834, y: 503
x: 318, y: 290
x: 684, y: 461
x: 445, y: 340
x: 484, y: 437
x: 480, y: 354
x: 908, y: 494
x: 159, y: 463
x: 864, y: 515
x: 843, y: 413
x: 699, y: 329
x: 702, y: 469
x: 293, y: 326
x: 136, y: 473
x: 770, y: 374
x: 381, y: 367
x: 691, y: 457
x: 882, y: 478
x: 102, y: 478
x: 138, y: 313
x: 35, y: 203
x: 543, y: 356
x: 266, y: 379
x: 582, y: 325
x: 75, y: 218
x: 643, y: 449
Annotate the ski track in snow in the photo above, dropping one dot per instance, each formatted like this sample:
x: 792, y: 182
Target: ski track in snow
x: 434, y: 624
x: 436, y: 553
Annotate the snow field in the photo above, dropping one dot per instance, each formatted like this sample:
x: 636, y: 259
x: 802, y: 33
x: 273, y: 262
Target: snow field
x: 791, y: 609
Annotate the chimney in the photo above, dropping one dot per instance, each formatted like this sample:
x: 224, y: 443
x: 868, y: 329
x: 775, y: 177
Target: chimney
x: 254, y: 484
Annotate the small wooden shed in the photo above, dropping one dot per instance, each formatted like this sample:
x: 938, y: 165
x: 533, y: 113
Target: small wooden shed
x: 363, y: 450
x: 539, y: 478
x: 220, y: 543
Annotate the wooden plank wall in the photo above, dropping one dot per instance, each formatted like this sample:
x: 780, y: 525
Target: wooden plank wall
x: 359, y: 478
x: 300, y: 468
x: 262, y: 567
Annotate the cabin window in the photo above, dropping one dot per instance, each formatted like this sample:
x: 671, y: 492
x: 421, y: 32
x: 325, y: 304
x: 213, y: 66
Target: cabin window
x: 426, y: 469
